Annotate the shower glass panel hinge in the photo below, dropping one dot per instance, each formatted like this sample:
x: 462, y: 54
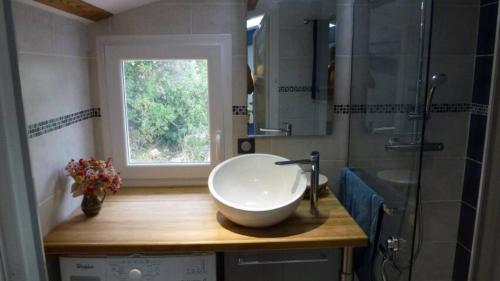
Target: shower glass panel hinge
x: 417, y: 116
x: 394, y: 243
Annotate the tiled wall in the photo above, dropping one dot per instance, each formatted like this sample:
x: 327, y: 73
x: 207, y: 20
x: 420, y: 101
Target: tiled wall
x: 453, y: 44
x: 184, y: 17
x: 53, y: 64
x: 377, y: 72
x: 295, y: 66
x: 227, y: 16
x: 2, y: 274
x: 476, y: 140
x: 333, y: 148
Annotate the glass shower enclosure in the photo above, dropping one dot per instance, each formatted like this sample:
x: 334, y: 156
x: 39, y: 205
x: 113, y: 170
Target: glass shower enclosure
x: 389, y: 92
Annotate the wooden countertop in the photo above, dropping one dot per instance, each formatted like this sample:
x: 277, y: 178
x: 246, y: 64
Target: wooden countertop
x: 160, y: 220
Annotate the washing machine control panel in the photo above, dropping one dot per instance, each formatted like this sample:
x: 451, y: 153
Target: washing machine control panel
x: 139, y: 268
x: 136, y: 269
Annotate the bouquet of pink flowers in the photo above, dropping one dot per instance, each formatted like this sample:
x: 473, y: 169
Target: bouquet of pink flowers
x: 93, y: 177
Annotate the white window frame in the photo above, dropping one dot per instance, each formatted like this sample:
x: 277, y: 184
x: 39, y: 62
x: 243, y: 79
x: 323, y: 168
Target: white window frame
x: 216, y: 49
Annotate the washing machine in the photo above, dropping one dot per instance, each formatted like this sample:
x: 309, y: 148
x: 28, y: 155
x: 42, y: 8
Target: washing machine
x: 139, y: 268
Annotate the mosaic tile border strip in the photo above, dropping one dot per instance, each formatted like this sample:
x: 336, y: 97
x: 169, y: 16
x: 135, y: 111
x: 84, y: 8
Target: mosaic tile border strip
x: 372, y: 108
x: 47, y: 126
x: 451, y: 107
x: 479, y: 109
x: 44, y: 127
x: 396, y: 108
x: 240, y: 110
x: 391, y: 108
x: 294, y: 89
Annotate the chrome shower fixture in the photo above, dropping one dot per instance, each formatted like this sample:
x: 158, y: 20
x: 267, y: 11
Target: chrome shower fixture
x: 437, y: 79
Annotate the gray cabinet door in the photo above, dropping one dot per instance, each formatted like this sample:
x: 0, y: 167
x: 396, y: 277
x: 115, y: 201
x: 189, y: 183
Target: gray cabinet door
x: 304, y: 265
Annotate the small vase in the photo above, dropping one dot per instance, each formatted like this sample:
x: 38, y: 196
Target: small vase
x: 91, y: 205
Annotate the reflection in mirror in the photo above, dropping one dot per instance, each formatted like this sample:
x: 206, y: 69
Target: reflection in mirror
x: 291, y: 64
x: 389, y: 68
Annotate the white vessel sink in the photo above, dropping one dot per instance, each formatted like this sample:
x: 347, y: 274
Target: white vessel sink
x: 251, y: 190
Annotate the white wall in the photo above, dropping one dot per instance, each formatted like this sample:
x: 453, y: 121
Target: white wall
x: 183, y: 17
x: 228, y: 16
x: 53, y: 66
x: 54, y: 61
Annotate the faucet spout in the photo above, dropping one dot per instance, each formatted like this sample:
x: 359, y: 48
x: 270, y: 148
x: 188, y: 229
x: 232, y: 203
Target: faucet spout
x: 313, y: 189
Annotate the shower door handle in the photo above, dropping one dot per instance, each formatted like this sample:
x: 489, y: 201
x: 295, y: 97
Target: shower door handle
x: 394, y: 144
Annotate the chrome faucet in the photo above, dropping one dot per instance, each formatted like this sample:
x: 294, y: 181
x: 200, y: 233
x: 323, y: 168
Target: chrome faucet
x: 314, y: 188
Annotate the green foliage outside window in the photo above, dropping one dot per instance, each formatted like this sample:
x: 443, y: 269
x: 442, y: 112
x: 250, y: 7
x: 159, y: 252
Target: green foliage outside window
x: 167, y: 110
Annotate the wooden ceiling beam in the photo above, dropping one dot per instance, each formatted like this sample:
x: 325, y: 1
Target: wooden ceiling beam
x: 78, y: 8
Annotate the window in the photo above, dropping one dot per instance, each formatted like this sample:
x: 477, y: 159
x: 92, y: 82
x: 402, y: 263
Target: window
x: 167, y: 111
x: 166, y: 103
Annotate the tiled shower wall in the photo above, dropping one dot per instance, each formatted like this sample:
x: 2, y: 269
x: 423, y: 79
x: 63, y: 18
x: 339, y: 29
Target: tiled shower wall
x: 476, y: 140
x: 453, y: 47
x: 53, y: 65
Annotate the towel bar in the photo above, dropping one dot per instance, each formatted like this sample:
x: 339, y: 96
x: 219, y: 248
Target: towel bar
x: 391, y: 211
x: 388, y: 210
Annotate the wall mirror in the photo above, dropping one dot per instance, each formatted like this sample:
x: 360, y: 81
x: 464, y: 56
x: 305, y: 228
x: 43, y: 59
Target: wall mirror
x: 291, y: 67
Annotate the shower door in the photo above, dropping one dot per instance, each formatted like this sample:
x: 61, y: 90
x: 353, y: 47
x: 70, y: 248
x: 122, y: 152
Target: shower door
x: 388, y: 90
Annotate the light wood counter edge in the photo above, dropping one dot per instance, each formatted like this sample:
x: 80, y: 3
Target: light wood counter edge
x: 63, y: 248
x: 148, y: 247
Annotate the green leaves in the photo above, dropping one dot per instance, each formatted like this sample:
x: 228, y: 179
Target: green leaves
x: 167, y: 110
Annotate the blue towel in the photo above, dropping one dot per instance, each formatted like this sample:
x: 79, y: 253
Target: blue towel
x: 365, y: 206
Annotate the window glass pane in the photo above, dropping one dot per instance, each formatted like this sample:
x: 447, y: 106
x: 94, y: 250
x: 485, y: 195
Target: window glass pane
x: 167, y: 111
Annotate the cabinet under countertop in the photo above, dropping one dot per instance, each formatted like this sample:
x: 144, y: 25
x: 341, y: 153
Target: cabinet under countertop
x: 185, y: 219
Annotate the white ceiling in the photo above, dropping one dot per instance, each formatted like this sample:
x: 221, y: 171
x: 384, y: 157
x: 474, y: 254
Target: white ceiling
x: 112, y: 6
x: 118, y: 6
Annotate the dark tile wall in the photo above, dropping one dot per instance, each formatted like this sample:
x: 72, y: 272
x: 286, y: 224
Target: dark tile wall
x: 462, y: 260
x: 466, y: 226
x: 477, y: 131
x: 471, y: 182
x: 487, y: 28
x: 481, y: 92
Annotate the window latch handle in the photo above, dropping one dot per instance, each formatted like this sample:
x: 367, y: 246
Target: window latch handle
x: 218, y: 146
